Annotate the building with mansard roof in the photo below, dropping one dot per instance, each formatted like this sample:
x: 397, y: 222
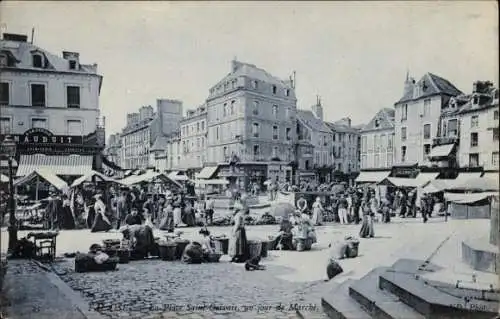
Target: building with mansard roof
x: 50, y: 107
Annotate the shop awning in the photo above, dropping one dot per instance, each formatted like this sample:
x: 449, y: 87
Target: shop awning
x: 399, y: 182
x: 475, y: 184
x: 492, y: 176
x: 424, y: 178
x: 207, y: 172
x: 148, y: 177
x: 307, y: 174
x: 88, y: 178
x: 372, y: 177
x: 438, y: 185
x: 57, y: 164
x: 468, y: 198
x: 44, y: 174
x: 211, y: 182
x: 462, y: 177
x: 441, y: 151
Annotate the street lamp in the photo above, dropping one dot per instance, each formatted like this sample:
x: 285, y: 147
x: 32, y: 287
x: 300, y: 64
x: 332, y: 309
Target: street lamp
x: 9, y: 150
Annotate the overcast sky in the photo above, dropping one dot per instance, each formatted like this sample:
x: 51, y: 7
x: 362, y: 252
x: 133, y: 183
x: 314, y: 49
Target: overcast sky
x: 354, y: 55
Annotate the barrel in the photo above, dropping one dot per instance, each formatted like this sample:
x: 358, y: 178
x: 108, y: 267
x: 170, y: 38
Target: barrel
x: 180, y: 246
x: 264, y: 248
x: 254, y: 248
x: 168, y: 251
x: 222, y: 245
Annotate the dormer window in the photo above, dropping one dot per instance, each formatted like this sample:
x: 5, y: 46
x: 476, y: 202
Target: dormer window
x: 377, y: 123
x: 37, y: 61
x: 72, y: 65
x: 475, y: 100
x: 287, y: 92
x: 274, y: 89
x: 3, y: 60
x: 255, y: 84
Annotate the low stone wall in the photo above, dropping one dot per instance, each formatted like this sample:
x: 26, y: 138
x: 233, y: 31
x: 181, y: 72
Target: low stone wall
x: 224, y: 202
x: 480, y: 255
x: 461, y: 211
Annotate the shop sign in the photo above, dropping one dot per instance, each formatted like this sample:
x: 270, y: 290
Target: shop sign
x: 42, y: 136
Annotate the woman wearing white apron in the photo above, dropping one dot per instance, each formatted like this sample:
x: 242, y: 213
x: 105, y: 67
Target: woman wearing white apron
x: 317, y: 212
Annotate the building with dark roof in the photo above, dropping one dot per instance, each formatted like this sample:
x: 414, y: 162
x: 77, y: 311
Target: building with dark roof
x: 193, y: 129
x: 50, y: 107
x: 417, y: 115
x: 346, y: 147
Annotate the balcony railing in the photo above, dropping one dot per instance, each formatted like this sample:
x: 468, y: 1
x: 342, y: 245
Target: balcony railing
x: 442, y: 140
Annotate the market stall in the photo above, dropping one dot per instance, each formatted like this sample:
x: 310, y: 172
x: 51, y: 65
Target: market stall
x: 42, y: 175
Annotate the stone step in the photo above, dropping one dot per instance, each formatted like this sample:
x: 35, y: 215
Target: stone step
x: 379, y: 303
x: 431, y: 302
x: 339, y: 305
x: 311, y: 315
x: 414, y: 266
x: 480, y: 255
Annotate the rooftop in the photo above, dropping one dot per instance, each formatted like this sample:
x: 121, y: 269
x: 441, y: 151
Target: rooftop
x: 431, y: 84
x: 311, y: 121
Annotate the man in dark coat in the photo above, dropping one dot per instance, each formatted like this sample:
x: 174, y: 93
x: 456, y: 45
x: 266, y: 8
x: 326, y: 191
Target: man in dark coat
x: 122, y: 209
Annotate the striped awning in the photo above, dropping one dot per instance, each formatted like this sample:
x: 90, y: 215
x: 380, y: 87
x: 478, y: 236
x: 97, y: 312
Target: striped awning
x: 58, y: 164
x: 372, y: 176
x: 207, y: 172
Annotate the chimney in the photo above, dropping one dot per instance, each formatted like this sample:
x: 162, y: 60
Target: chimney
x: 318, y: 109
x: 235, y: 65
x: 409, y: 84
x: 15, y: 37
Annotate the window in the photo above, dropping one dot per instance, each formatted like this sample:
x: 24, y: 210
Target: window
x: 255, y: 84
x: 404, y: 112
x: 495, y: 134
x: 73, y: 96
x: 72, y: 65
x: 233, y: 84
x: 198, y: 142
x: 202, y: 125
x: 225, y: 152
x: 377, y: 161
x: 403, y: 154
x: 427, y: 131
x: 202, y: 142
x: 4, y: 93
x: 74, y: 127
x: 377, y: 124
x: 287, y: 113
x: 38, y: 123
x: 288, y: 134
x: 275, y: 132
x: 495, y: 115
x: 255, y: 129
x: 275, y: 111
x: 474, y: 121
x: 198, y: 127
x: 224, y: 109
x: 376, y: 143
x: 287, y: 92
x: 256, y: 150
x: 453, y: 128
x: 255, y: 110
x: 37, y: 61
x: 37, y: 95
x: 474, y: 160
x: 475, y: 100
x: 3, y: 60
x: 217, y: 133
x: 233, y: 103
x: 427, y: 149
x: 403, y: 133
x: 274, y: 89
x: 474, y: 139
x: 427, y: 107
x: 5, y: 126
x: 494, y: 159
x: 275, y: 151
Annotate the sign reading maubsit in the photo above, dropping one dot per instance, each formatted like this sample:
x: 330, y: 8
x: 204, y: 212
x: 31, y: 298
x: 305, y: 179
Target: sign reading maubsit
x: 40, y: 140
x: 43, y: 136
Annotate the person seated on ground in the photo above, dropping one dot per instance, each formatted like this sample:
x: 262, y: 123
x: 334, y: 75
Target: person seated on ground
x: 133, y: 218
x: 141, y: 240
x: 333, y: 268
x: 167, y: 221
x: 348, y: 248
x: 193, y: 253
x: 253, y: 264
x: 284, y: 240
x: 207, y: 243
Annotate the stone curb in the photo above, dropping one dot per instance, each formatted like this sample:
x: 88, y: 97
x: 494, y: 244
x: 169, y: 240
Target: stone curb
x: 76, y: 300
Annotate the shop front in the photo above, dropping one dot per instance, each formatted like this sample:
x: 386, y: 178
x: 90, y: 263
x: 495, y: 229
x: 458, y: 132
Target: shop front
x: 66, y: 156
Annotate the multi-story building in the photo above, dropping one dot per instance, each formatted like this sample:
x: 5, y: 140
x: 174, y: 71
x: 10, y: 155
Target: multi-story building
x: 377, y: 147
x: 112, y: 151
x: 417, y: 116
x: 251, y: 117
x: 346, y: 140
x: 50, y: 107
x: 144, y: 128
x: 193, y: 139
x: 312, y: 129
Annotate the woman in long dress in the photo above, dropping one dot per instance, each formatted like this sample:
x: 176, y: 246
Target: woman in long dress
x: 317, y: 212
x: 101, y: 221
x: 177, y: 211
x: 68, y: 221
x: 366, y: 230
x: 238, y: 245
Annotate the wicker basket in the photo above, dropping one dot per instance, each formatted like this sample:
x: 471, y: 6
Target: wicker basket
x: 304, y: 244
x: 222, y: 245
x: 168, y: 251
x: 180, y: 246
x: 214, y: 257
x: 254, y: 248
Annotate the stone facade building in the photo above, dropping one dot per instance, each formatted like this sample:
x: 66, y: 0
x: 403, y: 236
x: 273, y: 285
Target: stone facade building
x: 377, y: 141
x: 346, y: 146
x: 193, y: 130
x: 251, y: 115
x: 50, y: 107
x: 417, y: 116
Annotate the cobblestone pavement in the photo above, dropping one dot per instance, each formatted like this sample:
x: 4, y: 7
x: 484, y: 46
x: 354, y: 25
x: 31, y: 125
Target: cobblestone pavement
x: 159, y: 289
x: 31, y: 294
